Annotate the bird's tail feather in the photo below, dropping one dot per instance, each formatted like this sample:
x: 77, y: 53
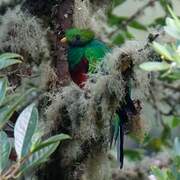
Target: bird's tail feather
x: 121, y: 146
x: 117, y: 137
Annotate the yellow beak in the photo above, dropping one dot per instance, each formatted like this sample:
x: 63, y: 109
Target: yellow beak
x: 63, y: 40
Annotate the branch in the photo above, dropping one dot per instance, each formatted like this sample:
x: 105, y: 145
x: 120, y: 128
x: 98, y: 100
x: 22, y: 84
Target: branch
x: 125, y: 23
x: 176, y: 89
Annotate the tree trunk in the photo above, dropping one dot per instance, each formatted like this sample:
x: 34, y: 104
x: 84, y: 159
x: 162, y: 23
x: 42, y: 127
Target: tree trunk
x: 83, y: 114
x: 59, y: 16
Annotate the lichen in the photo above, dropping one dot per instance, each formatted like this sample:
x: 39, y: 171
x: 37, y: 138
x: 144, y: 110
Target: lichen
x: 86, y: 113
x: 48, y: 78
x: 81, y: 14
x: 22, y: 33
x: 87, y: 14
x: 97, y: 167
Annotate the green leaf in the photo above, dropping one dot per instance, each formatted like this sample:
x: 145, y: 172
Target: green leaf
x: 177, y: 21
x: 8, y: 59
x: 177, y: 146
x: 158, y: 21
x: 9, y: 99
x: 24, y: 130
x: 133, y: 155
x: 51, y: 140
x: 177, y: 160
x: 3, y: 86
x: 128, y: 35
x: 171, y: 28
x: 164, y: 4
x: 166, y: 135
x: 155, y: 144
x: 42, y: 150
x: 175, y: 122
x: 162, y: 50
x: 5, y: 149
x: 115, y: 20
x: 154, y: 66
x: 158, y: 173
x: 7, y: 111
x: 172, y: 25
x: 10, y: 56
x: 137, y: 25
x: 39, y: 157
x: 119, y: 39
x: 174, y: 76
x: 170, y: 175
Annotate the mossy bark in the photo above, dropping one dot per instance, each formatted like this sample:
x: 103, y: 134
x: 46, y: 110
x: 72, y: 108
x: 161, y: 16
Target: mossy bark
x: 83, y: 114
x: 59, y: 16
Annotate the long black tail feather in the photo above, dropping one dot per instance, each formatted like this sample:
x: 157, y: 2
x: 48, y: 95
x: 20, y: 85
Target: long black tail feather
x: 121, y: 146
x: 112, y: 131
x: 123, y: 114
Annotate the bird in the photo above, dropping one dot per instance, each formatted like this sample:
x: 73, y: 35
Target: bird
x: 83, y: 54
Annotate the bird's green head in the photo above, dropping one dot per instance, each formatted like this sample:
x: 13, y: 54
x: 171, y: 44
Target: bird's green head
x: 78, y: 37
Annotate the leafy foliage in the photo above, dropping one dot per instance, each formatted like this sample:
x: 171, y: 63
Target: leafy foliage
x: 173, y: 172
x: 24, y: 129
x: 7, y: 110
x: 170, y: 68
x: 4, y: 150
x: 7, y: 59
x: 30, y: 153
x: 121, y: 23
x: 3, y: 86
x: 33, y: 150
x: 170, y: 53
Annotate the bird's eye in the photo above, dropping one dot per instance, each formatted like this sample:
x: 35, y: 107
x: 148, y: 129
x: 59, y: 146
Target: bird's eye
x: 77, y: 37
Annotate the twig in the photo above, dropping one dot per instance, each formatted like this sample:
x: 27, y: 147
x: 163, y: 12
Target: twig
x: 14, y: 169
x: 177, y: 89
x: 125, y: 23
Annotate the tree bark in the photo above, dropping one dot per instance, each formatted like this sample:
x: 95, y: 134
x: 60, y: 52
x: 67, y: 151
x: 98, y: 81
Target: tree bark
x: 83, y: 157
x: 58, y: 15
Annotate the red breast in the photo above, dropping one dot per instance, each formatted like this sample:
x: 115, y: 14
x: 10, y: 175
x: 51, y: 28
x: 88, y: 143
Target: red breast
x: 79, y: 74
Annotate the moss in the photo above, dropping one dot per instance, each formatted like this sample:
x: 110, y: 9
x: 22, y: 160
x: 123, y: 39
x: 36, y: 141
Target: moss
x: 88, y: 14
x: 22, y: 33
x: 71, y: 153
x: 86, y: 113
x: 8, y: 4
x: 81, y: 14
x: 97, y: 167
x: 135, y: 174
x: 48, y: 78
x: 137, y: 128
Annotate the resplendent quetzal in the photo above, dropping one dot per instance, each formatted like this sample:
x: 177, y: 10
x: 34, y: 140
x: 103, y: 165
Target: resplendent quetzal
x: 84, y: 52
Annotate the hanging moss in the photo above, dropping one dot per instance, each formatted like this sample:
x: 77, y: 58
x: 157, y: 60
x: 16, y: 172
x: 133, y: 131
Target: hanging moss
x: 86, y: 113
x: 22, y: 33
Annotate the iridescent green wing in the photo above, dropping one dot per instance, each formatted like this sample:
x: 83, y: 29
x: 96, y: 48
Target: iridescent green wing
x: 94, y: 53
x: 75, y: 56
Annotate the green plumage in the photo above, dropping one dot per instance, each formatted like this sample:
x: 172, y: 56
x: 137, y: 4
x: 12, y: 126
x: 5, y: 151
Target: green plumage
x: 84, y: 46
x: 85, y: 35
x: 94, y: 51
